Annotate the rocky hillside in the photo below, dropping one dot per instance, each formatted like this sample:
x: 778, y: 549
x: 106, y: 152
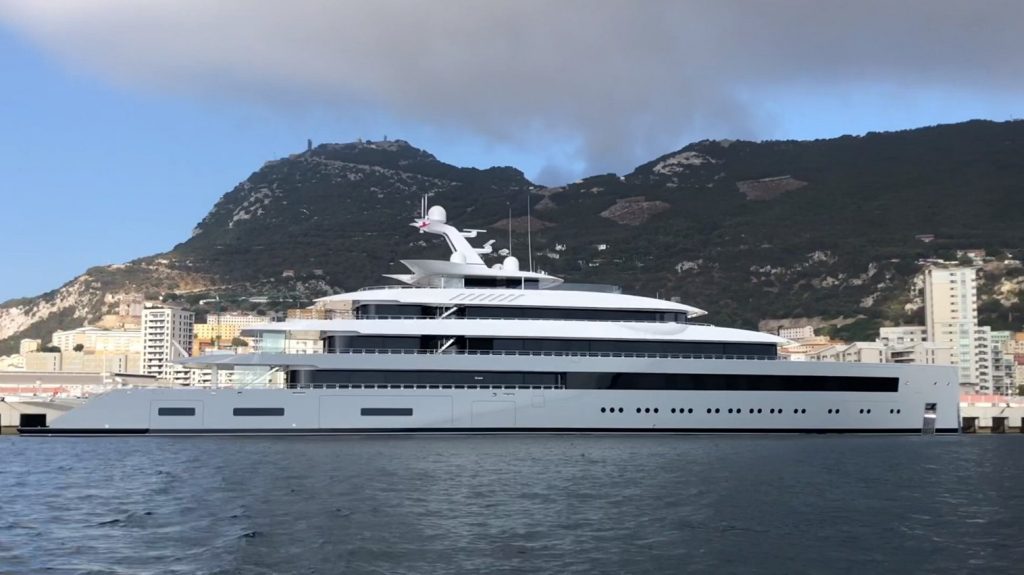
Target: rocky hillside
x: 823, y: 229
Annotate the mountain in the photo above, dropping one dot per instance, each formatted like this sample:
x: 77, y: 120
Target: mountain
x: 832, y: 229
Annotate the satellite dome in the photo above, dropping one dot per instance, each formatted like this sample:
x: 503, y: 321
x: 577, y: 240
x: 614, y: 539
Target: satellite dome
x: 437, y: 214
x: 511, y: 264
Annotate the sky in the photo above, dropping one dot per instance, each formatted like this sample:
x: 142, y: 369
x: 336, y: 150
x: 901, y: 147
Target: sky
x: 122, y: 122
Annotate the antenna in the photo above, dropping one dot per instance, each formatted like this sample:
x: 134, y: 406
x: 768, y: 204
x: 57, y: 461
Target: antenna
x: 423, y: 206
x: 529, y: 237
x: 510, y: 229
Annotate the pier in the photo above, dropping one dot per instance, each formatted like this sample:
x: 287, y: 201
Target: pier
x: 991, y: 414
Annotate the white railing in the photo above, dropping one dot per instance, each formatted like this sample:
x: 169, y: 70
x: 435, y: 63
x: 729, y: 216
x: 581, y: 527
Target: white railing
x: 517, y: 353
x: 422, y: 317
x: 391, y: 286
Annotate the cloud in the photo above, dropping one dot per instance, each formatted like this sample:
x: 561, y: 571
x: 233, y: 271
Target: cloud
x: 614, y: 82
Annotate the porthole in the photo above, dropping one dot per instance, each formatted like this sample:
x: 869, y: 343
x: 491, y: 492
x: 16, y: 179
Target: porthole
x: 655, y: 410
x: 898, y: 411
x: 716, y: 410
x: 751, y: 410
x: 603, y: 410
x: 689, y: 410
x: 730, y: 410
x: 759, y: 410
x: 803, y: 411
x: 892, y: 411
x: 779, y: 411
x: 796, y: 411
x: 647, y: 410
x: 837, y: 411
x: 869, y: 412
x: 620, y: 410
x: 862, y: 410
x: 638, y: 410
x: 709, y: 410
x: 772, y: 410
x: 673, y: 410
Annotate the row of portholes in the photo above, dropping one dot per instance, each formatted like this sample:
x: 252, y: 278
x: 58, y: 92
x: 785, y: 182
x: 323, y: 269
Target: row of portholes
x: 771, y: 411
x: 731, y: 410
x: 683, y: 410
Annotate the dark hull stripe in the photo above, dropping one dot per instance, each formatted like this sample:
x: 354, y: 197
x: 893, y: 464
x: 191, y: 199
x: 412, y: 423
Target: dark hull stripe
x: 49, y: 431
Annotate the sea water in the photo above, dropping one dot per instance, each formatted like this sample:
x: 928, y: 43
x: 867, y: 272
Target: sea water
x: 512, y: 504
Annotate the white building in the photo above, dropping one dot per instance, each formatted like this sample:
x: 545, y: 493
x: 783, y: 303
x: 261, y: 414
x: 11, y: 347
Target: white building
x: 951, y: 313
x: 796, y: 333
x: 166, y: 336
x: 922, y: 352
x: 982, y: 365
x: 29, y: 345
x: 99, y: 340
x: 902, y: 335
x: 1004, y: 377
x: 856, y: 352
x: 235, y: 319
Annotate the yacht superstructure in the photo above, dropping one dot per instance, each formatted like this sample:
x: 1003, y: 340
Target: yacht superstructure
x: 466, y: 348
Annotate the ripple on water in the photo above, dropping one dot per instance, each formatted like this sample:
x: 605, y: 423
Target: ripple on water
x: 545, y: 504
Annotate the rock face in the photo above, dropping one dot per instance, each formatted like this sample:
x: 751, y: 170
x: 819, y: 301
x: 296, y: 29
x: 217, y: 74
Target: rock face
x: 749, y: 231
x: 634, y: 211
x: 768, y: 188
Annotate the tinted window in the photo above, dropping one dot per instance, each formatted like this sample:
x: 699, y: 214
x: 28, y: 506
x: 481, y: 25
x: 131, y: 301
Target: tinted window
x: 258, y: 411
x: 177, y: 411
x: 388, y: 411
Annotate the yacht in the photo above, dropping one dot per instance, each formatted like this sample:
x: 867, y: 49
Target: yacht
x: 462, y: 347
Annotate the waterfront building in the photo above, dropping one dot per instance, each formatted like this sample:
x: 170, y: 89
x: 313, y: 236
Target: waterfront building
x: 221, y: 329
x: 856, y: 352
x: 14, y: 362
x: 925, y: 352
x: 902, y: 335
x: 1004, y: 380
x: 83, y: 362
x: 29, y: 345
x: 167, y: 336
x: 323, y: 310
x: 118, y: 341
x: 951, y: 314
x: 45, y: 361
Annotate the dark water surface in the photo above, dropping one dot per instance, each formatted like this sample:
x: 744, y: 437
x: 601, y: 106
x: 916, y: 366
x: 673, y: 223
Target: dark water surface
x: 536, y: 504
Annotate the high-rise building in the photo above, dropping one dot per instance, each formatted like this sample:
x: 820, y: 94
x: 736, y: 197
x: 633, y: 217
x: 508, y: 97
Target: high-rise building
x: 166, y: 336
x: 951, y: 314
x: 1004, y: 377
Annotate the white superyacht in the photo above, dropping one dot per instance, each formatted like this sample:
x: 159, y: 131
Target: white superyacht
x: 460, y: 347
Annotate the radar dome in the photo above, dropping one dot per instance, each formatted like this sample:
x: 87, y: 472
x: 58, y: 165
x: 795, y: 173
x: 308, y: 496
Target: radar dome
x: 437, y: 214
x: 511, y: 264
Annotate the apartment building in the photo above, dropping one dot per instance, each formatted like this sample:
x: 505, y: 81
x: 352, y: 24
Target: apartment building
x: 167, y: 335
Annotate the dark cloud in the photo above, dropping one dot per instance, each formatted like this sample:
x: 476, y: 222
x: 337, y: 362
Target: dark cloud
x: 618, y: 81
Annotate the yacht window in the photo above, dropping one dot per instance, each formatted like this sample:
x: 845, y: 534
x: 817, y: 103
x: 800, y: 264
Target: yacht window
x: 176, y: 411
x: 386, y: 411
x: 258, y: 411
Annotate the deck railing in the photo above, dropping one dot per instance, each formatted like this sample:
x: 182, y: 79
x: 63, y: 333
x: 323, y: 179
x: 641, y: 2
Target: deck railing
x: 525, y: 353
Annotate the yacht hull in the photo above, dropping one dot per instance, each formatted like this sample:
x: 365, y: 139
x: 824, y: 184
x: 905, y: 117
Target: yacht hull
x: 925, y: 395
